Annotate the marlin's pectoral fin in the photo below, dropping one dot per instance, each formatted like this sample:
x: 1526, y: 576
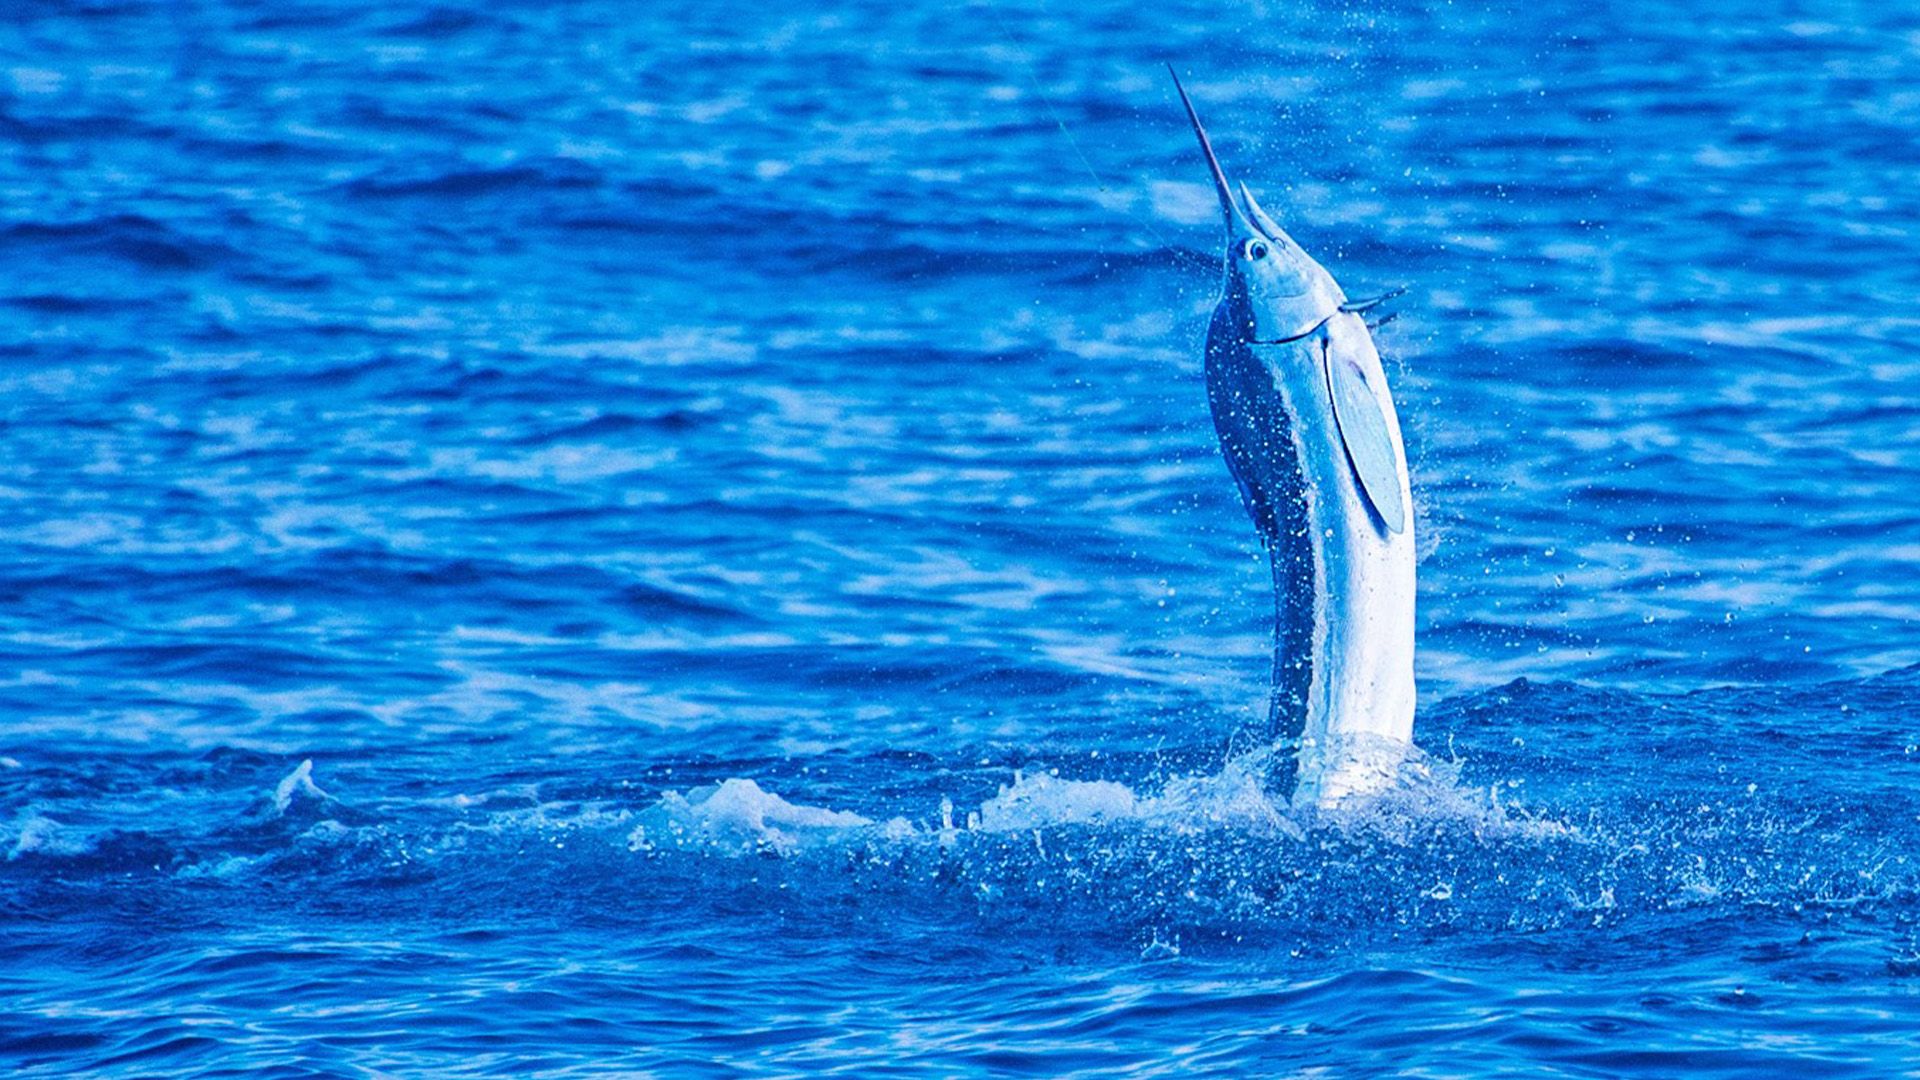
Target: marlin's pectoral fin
x: 1352, y: 307
x: 1363, y: 429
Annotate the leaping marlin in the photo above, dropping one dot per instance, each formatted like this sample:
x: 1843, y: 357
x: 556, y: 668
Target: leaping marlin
x: 1309, y: 432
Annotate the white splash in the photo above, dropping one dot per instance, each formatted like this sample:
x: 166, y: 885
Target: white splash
x: 739, y: 816
x: 297, y: 782
x: 1231, y: 799
x: 36, y: 834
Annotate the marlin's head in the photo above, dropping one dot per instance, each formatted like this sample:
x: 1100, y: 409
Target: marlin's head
x: 1288, y: 293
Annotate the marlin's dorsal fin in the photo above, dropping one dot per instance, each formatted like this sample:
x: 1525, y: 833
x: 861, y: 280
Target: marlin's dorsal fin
x: 1354, y: 307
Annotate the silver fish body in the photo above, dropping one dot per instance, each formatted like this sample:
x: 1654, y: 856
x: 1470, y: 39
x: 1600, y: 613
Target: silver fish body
x: 1310, y: 434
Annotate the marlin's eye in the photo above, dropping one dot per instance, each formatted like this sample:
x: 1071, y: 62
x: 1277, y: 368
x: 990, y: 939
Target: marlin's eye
x: 1256, y: 250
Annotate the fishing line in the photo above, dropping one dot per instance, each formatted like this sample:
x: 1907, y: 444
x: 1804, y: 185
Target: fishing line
x: 1006, y: 35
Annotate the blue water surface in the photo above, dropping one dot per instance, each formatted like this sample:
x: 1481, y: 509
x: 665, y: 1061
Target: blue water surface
x: 670, y: 538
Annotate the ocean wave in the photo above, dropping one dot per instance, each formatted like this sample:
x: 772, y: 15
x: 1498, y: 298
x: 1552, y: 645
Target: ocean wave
x: 146, y: 243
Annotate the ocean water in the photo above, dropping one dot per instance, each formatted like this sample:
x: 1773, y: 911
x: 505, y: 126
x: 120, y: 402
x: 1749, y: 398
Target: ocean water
x: 685, y: 539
